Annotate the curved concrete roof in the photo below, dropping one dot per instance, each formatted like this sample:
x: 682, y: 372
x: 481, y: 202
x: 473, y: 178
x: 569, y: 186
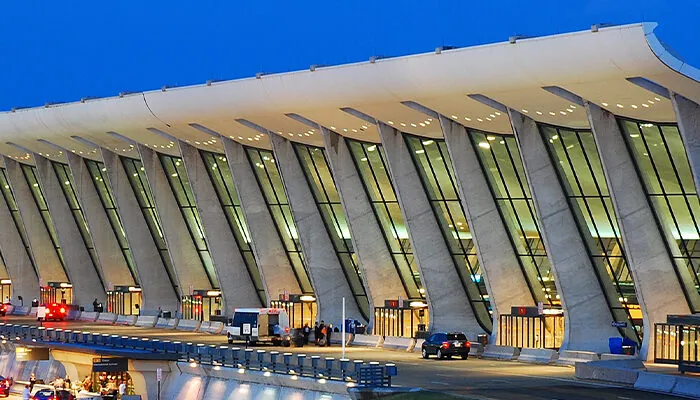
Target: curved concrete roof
x: 594, y: 65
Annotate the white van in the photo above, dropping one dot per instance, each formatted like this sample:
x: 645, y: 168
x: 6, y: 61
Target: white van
x: 253, y: 325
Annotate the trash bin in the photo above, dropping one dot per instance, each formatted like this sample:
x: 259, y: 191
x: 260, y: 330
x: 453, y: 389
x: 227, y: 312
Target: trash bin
x: 167, y: 314
x: 483, y: 339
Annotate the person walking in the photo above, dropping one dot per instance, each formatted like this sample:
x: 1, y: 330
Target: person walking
x: 122, y: 389
x: 26, y: 393
x: 95, y: 305
x: 32, y: 381
x: 317, y: 333
x: 306, y: 331
x: 329, y: 331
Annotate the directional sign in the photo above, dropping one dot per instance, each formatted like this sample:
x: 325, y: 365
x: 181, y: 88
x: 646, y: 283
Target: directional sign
x: 618, y: 324
x: 159, y: 374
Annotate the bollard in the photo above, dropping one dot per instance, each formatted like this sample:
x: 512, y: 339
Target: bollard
x: 200, y: 350
x: 287, y: 357
x: 212, y: 353
x: 177, y: 347
x: 344, y: 362
x: 273, y: 360
x: 391, y: 370
x: 248, y: 353
x: 105, y: 339
x: 41, y: 335
x: 314, y: 364
x: 154, y: 345
x: 59, y: 335
x: 221, y: 354
x: 144, y: 343
x: 235, y: 354
x: 357, y: 365
x: 300, y: 363
x: 114, y: 340
x: 261, y: 358
x: 329, y: 366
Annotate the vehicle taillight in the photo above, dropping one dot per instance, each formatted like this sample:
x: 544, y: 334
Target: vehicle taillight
x: 286, y: 329
x: 468, y: 344
x: 446, y: 345
x: 63, y: 310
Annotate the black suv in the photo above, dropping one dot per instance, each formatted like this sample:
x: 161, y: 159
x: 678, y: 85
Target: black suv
x: 442, y: 344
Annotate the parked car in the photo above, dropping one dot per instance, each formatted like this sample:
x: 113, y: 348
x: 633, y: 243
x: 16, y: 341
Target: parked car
x: 52, y: 311
x: 5, y: 385
x: 446, y: 345
x: 53, y: 394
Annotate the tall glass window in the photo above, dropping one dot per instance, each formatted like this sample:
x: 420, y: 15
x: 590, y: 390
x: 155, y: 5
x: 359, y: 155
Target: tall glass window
x: 16, y: 217
x: 66, y: 179
x: 581, y: 173
x: 371, y: 163
x: 661, y: 160
x: 221, y: 179
x: 435, y: 168
x: 30, y: 175
x: 318, y: 175
x: 500, y: 159
x: 180, y: 185
x: 137, y: 178
x: 270, y: 182
x: 97, y: 174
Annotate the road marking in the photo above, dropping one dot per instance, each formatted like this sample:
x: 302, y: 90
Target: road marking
x: 501, y: 381
x: 624, y: 398
x: 440, y: 383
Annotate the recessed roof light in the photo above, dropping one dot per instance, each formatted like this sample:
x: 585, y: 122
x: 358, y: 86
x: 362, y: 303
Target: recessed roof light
x: 538, y: 112
x: 454, y: 117
x: 619, y: 105
x: 484, y: 145
x: 524, y: 110
x: 421, y: 124
x: 480, y: 120
x: 492, y: 116
x: 488, y: 119
x: 467, y: 118
x: 414, y: 125
x: 562, y: 112
x: 428, y: 142
x: 497, y: 113
x: 390, y: 122
x: 634, y: 106
x: 645, y: 105
x: 490, y: 138
x: 657, y: 99
x: 372, y: 147
x: 403, y: 124
x: 604, y: 104
x: 354, y: 130
x: 420, y: 151
x: 552, y: 113
x: 570, y: 110
x: 651, y: 102
x: 572, y: 106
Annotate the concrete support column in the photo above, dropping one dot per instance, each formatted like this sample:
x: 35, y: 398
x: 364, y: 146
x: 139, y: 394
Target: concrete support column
x: 188, y: 266
x: 112, y: 262
x: 378, y: 269
x: 505, y: 280
x: 277, y: 272
x: 156, y: 288
x: 87, y: 283
x: 447, y: 300
x: 43, y: 250
x: 588, y: 317
x: 325, y: 271
x: 688, y: 117
x: 25, y: 281
x: 656, y: 283
x: 235, y: 281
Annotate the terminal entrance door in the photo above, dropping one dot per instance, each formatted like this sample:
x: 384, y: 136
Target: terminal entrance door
x: 401, y: 318
x: 108, y: 373
x: 301, y: 309
x: 202, y: 305
x: 530, y: 327
x: 124, y: 300
x: 57, y: 292
x: 5, y: 289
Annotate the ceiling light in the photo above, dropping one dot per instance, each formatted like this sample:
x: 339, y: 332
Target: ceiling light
x: 484, y: 145
x: 524, y: 110
x: 645, y: 105
x: 497, y: 113
x: 421, y: 124
x: 390, y: 122
x: 604, y: 104
x: 354, y: 130
x: 634, y: 135
x: 657, y: 99
x: 428, y: 142
x: 372, y: 147
x: 333, y: 127
x: 552, y: 113
x: 619, y: 105
x: 490, y: 138
x: 492, y: 116
x: 345, y: 129
x: 467, y: 118
x: 454, y: 117
x: 572, y: 106
x: 502, y: 142
x: 480, y: 120
x: 569, y: 110
x: 562, y: 112
x: 420, y: 151
x: 651, y: 102
x: 414, y: 125
x: 363, y: 159
x: 634, y: 106
x: 427, y: 122
x: 403, y: 124
x: 538, y: 112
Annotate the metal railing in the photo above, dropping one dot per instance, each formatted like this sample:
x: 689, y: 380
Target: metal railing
x: 358, y: 372
x: 678, y: 345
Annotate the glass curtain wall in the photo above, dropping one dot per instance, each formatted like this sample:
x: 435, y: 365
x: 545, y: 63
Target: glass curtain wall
x: 581, y: 174
x: 370, y: 161
x: 318, y: 175
x: 500, y: 160
x: 661, y: 160
x: 139, y: 184
x: 66, y: 179
x: 97, y: 174
x: 180, y: 185
x: 30, y: 175
x: 221, y: 179
x: 263, y: 164
x: 433, y: 162
x: 16, y: 217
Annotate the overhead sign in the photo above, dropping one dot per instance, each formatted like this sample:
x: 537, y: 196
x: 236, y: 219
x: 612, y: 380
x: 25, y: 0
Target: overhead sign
x: 618, y: 324
x: 25, y: 353
x: 116, y: 364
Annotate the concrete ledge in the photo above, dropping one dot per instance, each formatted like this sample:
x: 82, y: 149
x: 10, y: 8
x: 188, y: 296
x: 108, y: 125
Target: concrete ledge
x: 613, y: 357
x: 88, y: 316
x: 129, y: 320
x: 166, y: 323
x: 571, y: 357
x: 687, y: 387
x: 477, y: 350
x: 146, y: 322
x: 216, y: 327
x: 656, y: 382
x: 416, y: 345
x: 367, y: 340
x: 189, y: 325
x: 495, y: 352
x: 107, y: 318
x: 17, y: 310
x: 538, y: 356
x: 393, y: 342
x: 623, y: 371
x: 203, y: 326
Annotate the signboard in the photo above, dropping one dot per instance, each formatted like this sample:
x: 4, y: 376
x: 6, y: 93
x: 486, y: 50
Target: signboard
x: 617, y: 324
x: 159, y: 374
x: 540, y: 308
x: 247, y: 330
x: 116, y: 364
x: 23, y: 353
x: 41, y: 312
x: 525, y: 311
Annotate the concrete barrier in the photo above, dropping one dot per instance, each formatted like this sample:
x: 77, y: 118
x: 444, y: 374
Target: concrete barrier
x: 203, y: 326
x: 215, y: 328
x: 146, y: 321
x: 492, y: 351
x: 129, y: 320
x: 400, y: 343
x: 687, y: 387
x: 33, y: 311
x: 89, y: 316
x: 571, y: 357
x: 107, y: 318
x: 538, y: 356
x: 166, y: 323
x: 617, y: 371
x: 190, y: 325
x: 367, y: 340
x: 655, y: 382
x: 20, y: 310
x: 417, y: 343
x: 615, y: 357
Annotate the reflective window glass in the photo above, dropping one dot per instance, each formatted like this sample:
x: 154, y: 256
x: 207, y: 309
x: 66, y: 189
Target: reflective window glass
x: 16, y: 217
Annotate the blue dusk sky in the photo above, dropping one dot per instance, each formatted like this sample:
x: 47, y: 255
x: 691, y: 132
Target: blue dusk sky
x: 57, y: 51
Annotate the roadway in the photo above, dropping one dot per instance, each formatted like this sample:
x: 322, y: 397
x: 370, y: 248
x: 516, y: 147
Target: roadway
x: 476, y: 379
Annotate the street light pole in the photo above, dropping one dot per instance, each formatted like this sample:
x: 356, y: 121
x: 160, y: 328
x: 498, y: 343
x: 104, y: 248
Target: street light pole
x: 343, y: 331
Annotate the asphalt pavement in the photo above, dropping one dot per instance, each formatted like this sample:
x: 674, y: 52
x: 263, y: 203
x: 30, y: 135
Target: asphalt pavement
x: 473, y: 378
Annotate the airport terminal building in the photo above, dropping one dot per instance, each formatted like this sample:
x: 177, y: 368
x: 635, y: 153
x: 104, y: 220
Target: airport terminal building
x: 543, y: 191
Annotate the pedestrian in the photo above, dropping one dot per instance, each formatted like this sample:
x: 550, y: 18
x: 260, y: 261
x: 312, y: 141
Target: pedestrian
x: 35, y: 302
x: 68, y: 383
x: 95, y: 304
x: 317, y: 333
x: 329, y: 330
x: 26, y: 393
x: 122, y: 389
x: 32, y: 381
x: 306, y: 331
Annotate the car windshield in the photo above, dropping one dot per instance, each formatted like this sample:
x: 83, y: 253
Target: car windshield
x: 44, y: 392
x: 456, y: 336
